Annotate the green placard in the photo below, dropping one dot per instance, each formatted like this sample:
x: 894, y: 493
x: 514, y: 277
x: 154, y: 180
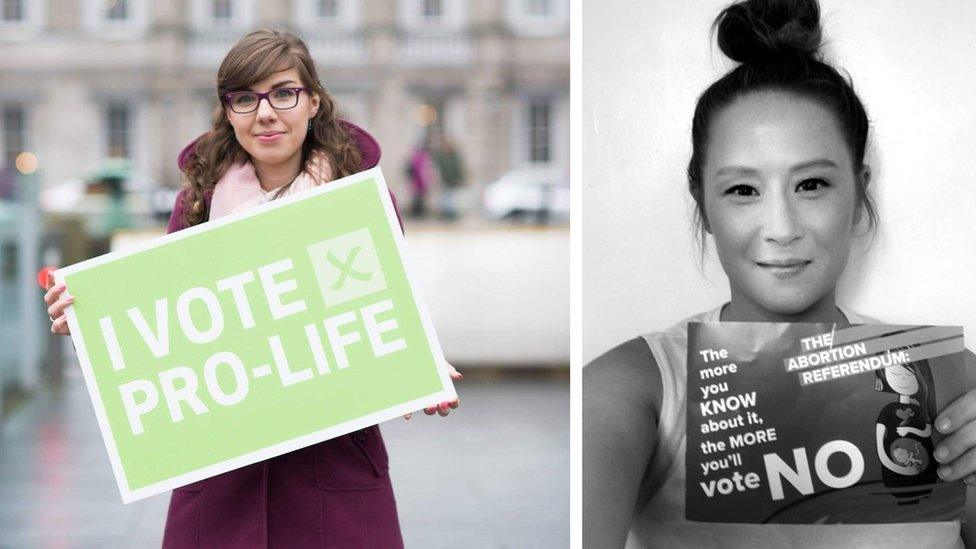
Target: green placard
x: 253, y: 335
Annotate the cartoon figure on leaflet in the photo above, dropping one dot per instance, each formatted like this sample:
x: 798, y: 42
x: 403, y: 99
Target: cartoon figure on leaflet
x: 904, y: 431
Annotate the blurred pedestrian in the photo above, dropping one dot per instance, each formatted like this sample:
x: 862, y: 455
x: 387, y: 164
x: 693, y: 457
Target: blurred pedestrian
x: 420, y: 171
x: 275, y: 133
x: 450, y: 167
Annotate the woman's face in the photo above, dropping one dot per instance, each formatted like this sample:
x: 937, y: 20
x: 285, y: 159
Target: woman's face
x: 780, y: 200
x: 902, y: 380
x: 273, y: 137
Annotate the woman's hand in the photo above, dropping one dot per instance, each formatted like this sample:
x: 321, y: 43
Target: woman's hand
x: 956, y: 454
x: 57, y: 302
x: 445, y: 407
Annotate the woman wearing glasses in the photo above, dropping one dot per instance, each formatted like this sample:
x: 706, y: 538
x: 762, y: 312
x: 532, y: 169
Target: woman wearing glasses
x: 275, y: 133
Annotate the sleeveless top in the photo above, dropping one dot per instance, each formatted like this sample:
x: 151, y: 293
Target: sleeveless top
x: 659, y: 517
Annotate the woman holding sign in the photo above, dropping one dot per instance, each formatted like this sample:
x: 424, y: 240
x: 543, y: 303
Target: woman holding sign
x: 779, y: 180
x: 275, y: 134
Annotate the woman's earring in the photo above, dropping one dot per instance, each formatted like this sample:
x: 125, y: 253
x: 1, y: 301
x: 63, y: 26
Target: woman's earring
x: 309, y: 123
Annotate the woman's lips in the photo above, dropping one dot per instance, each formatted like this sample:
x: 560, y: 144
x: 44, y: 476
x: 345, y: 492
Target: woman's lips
x: 267, y: 138
x: 784, y: 269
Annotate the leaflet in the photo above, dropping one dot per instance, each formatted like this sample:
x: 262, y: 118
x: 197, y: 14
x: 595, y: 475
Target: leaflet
x: 819, y: 423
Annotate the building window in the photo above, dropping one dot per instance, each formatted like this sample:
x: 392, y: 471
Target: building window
x: 118, y: 10
x: 116, y: 19
x: 12, y: 10
x: 328, y: 9
x: 328, y: 23
x: 230, y: 18
x: 539, y: 130
x: 432, y: 9
x: 223, y: 10
x: 539, y: 17
x: 14, y: 125
x: 118, y: 120
x: 20, y: 19
x: 537, y: 8
x: 432, y: 16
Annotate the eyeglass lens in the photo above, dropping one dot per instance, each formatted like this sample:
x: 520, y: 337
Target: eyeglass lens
x: 245, y: 102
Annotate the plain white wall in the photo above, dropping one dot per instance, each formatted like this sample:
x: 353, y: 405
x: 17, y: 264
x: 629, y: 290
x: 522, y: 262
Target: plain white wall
x: 644, y: 65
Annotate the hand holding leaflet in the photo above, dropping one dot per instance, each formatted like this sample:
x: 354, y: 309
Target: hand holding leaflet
x: 815, y: 424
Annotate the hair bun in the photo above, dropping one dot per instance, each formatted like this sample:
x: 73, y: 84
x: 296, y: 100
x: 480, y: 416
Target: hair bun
x: 757, y: 30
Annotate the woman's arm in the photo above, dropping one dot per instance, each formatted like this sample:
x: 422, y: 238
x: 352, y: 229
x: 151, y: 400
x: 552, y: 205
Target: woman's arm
x: 621, y: 401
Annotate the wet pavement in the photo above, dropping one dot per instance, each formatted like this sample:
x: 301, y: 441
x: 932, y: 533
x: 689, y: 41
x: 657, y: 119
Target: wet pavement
x: 495, y: 474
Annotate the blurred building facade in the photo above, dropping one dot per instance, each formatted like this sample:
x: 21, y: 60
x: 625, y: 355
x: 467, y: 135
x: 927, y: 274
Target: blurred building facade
x: 83, y: 80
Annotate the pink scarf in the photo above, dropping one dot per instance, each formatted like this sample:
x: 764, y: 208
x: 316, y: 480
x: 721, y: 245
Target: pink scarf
x: 239, y: 188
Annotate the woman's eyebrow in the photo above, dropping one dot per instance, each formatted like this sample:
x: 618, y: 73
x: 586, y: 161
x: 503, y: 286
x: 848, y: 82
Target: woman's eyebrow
x: 818, y: 163
x: 276, y: 85
x: 747, y: 171
x: 737, y: 170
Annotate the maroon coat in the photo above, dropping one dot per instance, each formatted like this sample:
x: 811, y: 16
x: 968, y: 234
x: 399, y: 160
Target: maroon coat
x: 335, y: 494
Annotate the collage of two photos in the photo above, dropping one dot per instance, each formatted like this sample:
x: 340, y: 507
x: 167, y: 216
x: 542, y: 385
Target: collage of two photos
x: 511, y: 273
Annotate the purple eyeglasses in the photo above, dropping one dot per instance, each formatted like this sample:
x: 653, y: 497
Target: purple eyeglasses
x: 243, y: 102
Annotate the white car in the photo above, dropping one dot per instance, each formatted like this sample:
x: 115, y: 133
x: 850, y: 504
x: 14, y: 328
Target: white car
x: 536, y: 192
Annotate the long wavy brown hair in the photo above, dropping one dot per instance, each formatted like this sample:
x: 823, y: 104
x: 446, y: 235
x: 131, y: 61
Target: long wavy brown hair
x: 252, y: 59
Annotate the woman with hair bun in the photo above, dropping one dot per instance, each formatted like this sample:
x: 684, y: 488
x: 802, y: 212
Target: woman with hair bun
x: 275, y: 133
x: 779, y: 181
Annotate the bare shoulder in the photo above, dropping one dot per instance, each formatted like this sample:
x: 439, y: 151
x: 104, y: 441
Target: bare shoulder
x: 621, y: 397
x: 628, y: 374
